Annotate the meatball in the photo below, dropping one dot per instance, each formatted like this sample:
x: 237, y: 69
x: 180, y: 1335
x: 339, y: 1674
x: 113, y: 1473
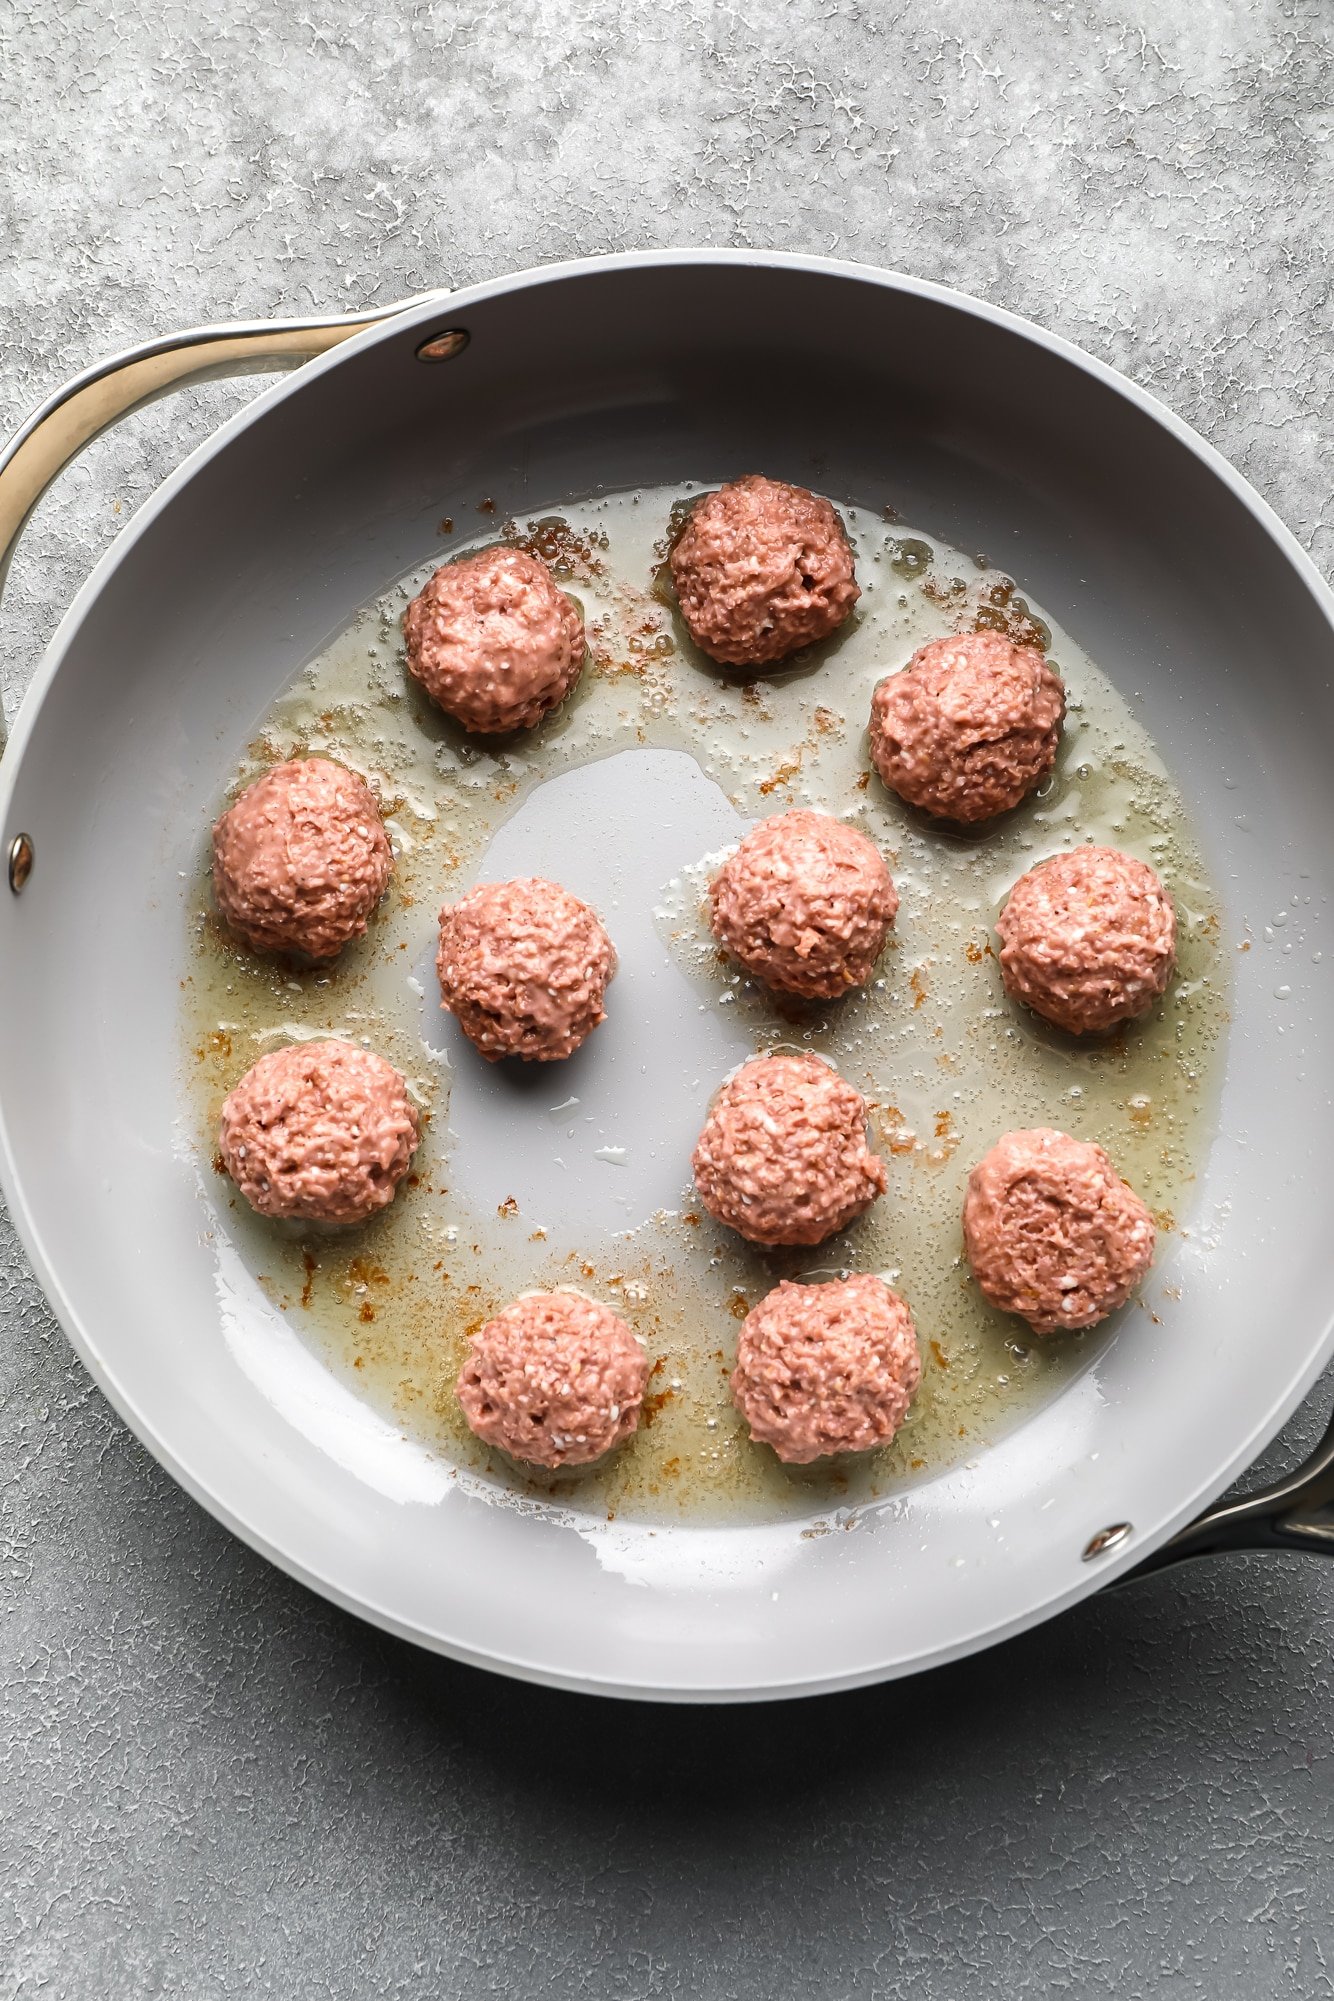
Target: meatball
x: 760, y: 569
x: 301, y: 859
x: 1088, y: 939
x: 494, y: 641
x: 783, y: 1157
x: 556, y: 1379
x: 1052, y: 1231
x: 323, y: 1131
x: 804, y: 904
x: 969, y: 727
x: 826, y: 1368
x: 523, y: 968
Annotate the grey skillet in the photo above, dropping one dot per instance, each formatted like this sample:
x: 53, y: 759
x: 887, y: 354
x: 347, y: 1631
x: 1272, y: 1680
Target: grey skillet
x: 610, y: 374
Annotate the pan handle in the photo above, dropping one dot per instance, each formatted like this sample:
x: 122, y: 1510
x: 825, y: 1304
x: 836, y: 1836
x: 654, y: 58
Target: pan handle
x: 1295, y: 1513
x: 93, y: 401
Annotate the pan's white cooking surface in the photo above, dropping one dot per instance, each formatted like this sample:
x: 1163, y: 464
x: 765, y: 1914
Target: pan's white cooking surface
x: 595, y: 1144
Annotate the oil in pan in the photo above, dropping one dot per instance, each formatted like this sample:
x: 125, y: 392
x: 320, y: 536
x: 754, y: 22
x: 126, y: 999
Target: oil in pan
x: 578, y: 1173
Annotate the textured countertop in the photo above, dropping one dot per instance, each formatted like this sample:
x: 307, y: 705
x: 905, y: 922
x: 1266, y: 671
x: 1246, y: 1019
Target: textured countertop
x: 215, y: 1785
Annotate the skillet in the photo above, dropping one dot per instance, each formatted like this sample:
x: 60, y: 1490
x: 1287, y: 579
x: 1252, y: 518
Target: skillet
x: 615, y: 373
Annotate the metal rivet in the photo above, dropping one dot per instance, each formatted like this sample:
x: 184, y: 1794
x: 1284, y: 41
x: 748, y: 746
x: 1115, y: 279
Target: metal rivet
x: 20, y: 861
x: 1105, y: 1540
x: 444, y: 346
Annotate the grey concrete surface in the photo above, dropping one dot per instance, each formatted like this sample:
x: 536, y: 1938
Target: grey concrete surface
x: 213, y: 1784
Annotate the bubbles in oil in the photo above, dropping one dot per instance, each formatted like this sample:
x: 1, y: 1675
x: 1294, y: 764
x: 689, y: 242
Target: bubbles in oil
x: 944, y: 1060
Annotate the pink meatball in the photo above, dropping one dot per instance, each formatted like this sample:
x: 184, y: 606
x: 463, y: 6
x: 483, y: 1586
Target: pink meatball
x: 301, y: 860
x: 321, y: 1131
x: 524, y: 968
x: 494, y: 640
x: 1088, y: 939
x: 1052, y: 1231
x: 762, y: 568
x: 783, y: 1157
x: 805, y: 904
x: 556, y: 1379
x: 826, y: 1368
x: 969, y: 727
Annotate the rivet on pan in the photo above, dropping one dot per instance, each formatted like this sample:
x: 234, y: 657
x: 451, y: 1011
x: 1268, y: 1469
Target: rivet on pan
x: 20, y: 861
x: 444, y: 346
x: 1105, y: 1540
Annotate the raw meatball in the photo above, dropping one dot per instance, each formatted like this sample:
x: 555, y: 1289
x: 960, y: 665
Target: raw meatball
x: 805, y: 904
x: 1052, y: 1231
x: 783, y: 1157
x: 1088, y: 939
x: 555, y: 1379
x: 760, y: 569
x: 523, y: 968
x: 494, y: 640
x: 301, y: 860
x: 826, y: 1368
x: 323, y: 1131
x: 969, y: 727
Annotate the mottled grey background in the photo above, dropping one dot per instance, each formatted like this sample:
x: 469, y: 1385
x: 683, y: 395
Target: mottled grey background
x: 214, y: 1785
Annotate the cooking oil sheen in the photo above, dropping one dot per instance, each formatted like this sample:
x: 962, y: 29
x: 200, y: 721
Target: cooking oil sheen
x: 944, y: 1060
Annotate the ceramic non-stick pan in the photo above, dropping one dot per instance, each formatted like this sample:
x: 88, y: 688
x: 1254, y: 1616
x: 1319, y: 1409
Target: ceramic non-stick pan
x: 607, y: 375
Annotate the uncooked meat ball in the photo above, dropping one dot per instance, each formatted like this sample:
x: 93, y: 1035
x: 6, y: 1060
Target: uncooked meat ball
x: 805, y: 904
x: 301, y: 860
x: 1088, y: 939
x: 826, y: 1368
x: 523, y: 968
x: 783, y: 1157
x: 762, y: 568
x: 319, y: 1131
x: 969, y: 726
x: 1052, y: 1231
x: 556, y: 1379
x: 494, y: 640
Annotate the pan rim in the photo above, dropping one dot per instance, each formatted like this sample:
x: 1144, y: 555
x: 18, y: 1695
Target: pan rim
x: 80, y: 1336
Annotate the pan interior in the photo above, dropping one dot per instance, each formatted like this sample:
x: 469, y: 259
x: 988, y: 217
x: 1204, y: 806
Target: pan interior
x: 578, y: 1173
